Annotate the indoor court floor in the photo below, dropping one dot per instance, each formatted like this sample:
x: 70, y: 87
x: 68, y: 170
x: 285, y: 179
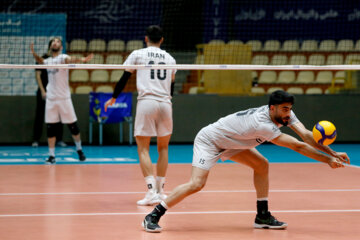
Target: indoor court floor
x: 97, y: 199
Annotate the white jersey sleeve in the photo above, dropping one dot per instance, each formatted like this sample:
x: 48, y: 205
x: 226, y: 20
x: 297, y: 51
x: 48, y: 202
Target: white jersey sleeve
x: 293, y: 119
x: 269, y: 131
x: 131, y: 59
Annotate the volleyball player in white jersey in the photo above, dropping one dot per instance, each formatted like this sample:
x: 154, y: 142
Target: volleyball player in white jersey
x: 59, y: 107
x: 235, y: 137
x: 153, y: 110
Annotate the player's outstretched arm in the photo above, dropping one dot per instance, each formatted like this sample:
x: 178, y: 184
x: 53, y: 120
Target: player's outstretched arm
x: 305, y: 149
x: 73, y: 59
x: 306, y: 136
x: 38, y: 59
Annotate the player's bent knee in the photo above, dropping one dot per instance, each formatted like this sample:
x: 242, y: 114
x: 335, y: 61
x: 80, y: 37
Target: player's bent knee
x: 74, y: 129
x: 196, y: 186
x: 51, y: 129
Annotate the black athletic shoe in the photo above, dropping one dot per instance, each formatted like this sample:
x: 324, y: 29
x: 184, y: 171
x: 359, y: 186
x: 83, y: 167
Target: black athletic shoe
x: 150, y: 223
x: 81, y: 155
x: 51, y: 160
x: 268, y: 221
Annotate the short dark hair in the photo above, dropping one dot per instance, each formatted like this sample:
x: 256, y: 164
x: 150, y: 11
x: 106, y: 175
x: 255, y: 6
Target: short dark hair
x: 280, y: 96
x: 154, y: 33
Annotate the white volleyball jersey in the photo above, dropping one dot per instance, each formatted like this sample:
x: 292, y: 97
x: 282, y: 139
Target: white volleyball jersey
x: 245, y: 129
x: 152, y: 83
x: 58, y: 86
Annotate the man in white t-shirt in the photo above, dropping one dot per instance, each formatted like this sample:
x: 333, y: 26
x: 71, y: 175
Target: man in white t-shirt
x: 235, y: 137
x: 59, y: 107
x: 153, y: 111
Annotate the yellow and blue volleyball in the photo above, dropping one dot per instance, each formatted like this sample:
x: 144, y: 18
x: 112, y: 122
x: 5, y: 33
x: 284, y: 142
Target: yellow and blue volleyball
x: 324, y: 132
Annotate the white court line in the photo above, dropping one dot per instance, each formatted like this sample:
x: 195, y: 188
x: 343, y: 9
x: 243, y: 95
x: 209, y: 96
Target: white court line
x: 208, y: 191
x: 180, y: 213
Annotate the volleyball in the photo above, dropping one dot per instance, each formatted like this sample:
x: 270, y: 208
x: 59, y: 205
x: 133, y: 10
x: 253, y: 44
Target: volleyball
x: 324, y: 132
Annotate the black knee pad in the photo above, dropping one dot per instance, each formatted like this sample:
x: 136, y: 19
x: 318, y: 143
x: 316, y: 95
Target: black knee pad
x: 52, y: 129
x: 74, y: 129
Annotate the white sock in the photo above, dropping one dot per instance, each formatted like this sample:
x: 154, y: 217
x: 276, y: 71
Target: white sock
x: 160, y: 183
x: 151, y: 183
x: 78, y: 145
x: 262, y: 199
x: 52, y: 152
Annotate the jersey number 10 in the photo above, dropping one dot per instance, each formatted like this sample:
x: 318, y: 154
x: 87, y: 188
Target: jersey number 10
x: 160, y: 73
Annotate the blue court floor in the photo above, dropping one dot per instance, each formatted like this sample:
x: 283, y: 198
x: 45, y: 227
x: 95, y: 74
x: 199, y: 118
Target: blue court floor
x: 125, y: 154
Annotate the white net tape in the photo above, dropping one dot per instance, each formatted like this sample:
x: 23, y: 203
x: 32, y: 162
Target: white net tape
x: 185, y: 67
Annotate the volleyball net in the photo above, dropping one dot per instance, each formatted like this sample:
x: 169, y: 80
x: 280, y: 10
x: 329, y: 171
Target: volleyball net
x: 221, y: 46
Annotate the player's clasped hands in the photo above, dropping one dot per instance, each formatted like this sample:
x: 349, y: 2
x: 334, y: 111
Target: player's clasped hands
x: 339, y: 160
x: 343, y: 157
